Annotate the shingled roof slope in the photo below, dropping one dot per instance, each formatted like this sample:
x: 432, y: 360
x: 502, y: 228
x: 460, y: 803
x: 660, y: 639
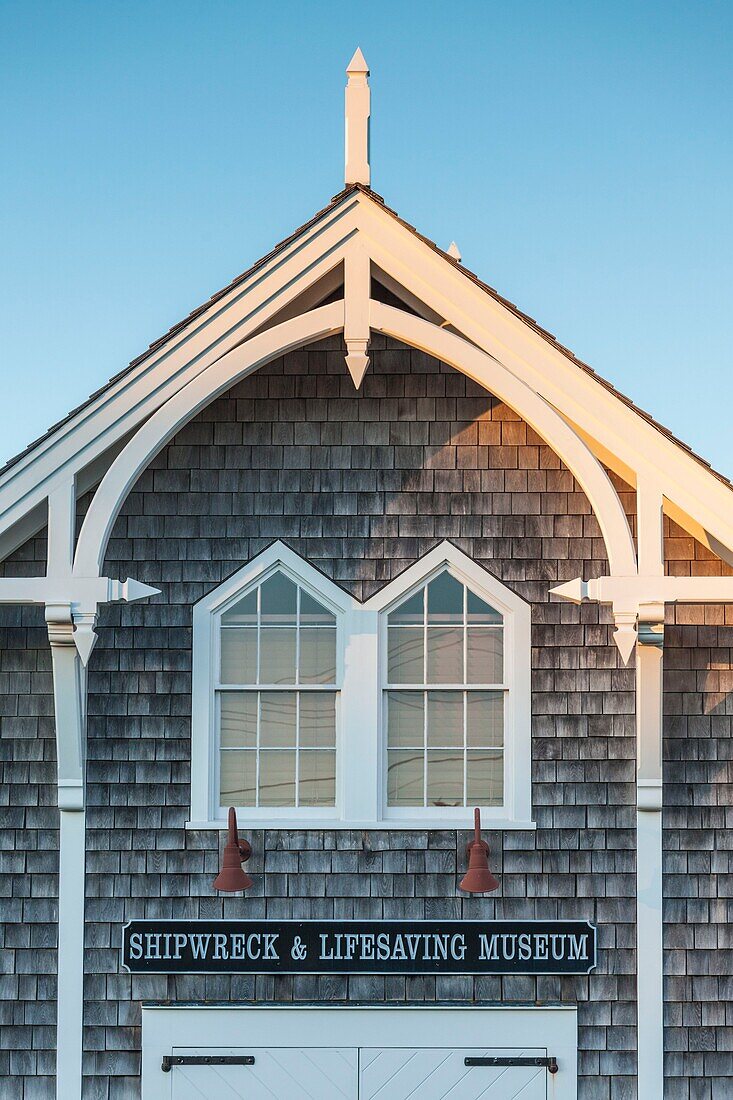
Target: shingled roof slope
x: 491, y: 291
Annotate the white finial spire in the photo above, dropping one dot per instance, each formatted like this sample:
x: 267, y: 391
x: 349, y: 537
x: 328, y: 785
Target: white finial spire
x: 357, y: 121
x: 454, y: 251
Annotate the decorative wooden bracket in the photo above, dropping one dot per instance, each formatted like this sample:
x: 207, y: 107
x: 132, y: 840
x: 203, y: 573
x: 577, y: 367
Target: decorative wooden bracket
x: 643, y: 598
x: 81, y: 595
x: 69, y: 693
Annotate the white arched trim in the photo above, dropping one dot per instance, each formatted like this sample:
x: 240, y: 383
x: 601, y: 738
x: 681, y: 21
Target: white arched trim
x: 542, y: 417
x: 177, y: 411
x: 315, y: 325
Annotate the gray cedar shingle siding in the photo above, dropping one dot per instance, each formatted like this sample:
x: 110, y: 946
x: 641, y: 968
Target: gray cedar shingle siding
x: 698, y: 818
x: 361, y: 485
x: 28, y: 844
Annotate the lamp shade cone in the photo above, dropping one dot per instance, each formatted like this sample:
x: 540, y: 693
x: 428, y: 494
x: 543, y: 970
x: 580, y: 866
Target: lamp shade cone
x: 232, y: 879
x: 478, y: 878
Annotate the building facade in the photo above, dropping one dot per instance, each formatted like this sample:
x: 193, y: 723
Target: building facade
x: 393, y: 554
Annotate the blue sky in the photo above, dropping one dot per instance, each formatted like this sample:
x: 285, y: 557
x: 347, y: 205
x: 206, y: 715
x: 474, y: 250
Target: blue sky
x: 579, y: 153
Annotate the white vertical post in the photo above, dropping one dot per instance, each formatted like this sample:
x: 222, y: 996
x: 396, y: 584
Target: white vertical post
x: 358, y: 109
x: 69, y: 693
x: 649, y: 711
x: 61, y: 521
x: 70, y: 1004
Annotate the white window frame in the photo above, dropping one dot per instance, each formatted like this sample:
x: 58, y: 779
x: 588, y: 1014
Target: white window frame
x: 207, y: 615
x: 361, y: 776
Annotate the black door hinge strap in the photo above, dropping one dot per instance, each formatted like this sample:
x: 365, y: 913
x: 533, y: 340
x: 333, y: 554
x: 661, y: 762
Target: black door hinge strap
x: 170, y: 1060
x: 550, y: 1064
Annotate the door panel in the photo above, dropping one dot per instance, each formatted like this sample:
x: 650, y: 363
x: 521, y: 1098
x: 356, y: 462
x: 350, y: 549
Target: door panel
x: 277, y: 1074
x: 429, y: 1074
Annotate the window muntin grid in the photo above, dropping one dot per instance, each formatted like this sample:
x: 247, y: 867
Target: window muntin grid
x: 445, y: 698
x: 276, y: 699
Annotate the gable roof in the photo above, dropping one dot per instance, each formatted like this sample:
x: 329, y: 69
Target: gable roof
x: 78, y: 444
x: 457, y: 264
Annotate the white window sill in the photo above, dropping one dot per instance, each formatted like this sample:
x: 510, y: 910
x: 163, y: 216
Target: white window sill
x: 301, y: 825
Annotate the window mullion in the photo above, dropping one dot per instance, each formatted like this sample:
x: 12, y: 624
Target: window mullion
x: 425, y: 697
x: 257, y: 750
x: 297, y: 748
x: 425, y: 748
x: 465, y: 695
x: 465, y: 748
x: 297, y: 697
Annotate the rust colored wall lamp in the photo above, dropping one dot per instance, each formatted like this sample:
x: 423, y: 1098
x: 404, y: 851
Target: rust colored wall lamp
x: 478, y: 879
x: 232, y: 877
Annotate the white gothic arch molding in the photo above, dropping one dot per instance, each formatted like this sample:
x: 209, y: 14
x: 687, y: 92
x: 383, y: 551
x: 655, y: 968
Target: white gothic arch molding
x: 315, y: 325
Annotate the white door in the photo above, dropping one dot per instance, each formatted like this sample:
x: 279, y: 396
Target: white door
x: 285, y: 1073
x: 344, y: 1053
x: 442, y: 1074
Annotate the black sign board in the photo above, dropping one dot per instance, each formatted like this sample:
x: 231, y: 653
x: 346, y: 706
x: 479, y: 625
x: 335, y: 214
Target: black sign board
x: 358, y: 947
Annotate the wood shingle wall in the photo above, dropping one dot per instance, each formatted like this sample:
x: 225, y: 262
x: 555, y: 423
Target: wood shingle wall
x: 361, y: 485
x: 28, y: 845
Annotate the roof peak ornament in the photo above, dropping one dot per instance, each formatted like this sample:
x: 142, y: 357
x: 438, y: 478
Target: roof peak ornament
x: 358, y: 109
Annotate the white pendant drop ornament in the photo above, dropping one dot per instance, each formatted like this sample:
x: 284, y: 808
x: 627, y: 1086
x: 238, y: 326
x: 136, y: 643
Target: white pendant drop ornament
x: 357, y: 360
x: 625, y: 633
x: 85, y: 635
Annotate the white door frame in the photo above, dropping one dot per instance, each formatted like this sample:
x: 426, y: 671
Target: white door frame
x: 181, y: 1029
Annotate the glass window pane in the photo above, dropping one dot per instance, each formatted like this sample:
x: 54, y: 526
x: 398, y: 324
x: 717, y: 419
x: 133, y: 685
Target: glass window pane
x: 485, y: 777
x: 478, y: 611
x: 405, y: 719
x: 277, y: 718
x: 277, y: 655
x: 243, y: 612
x: 238, y: 723
x: 405, y: 659
x: 318, y: 655
x: 317, y: 719
x: 485, y: 656
x: 404, y: 778
x: 445, y: 655
x: 411, y: 611
x: 314, y: 613
x: 239, y: 655
x: 445, y: 718
x: 237, y: 777
x: 277, y: 778
x: 485, y: 719
x: 317, y: 778
x: 278, y: 600
x: 445, y: 778
x: 445, y: 600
